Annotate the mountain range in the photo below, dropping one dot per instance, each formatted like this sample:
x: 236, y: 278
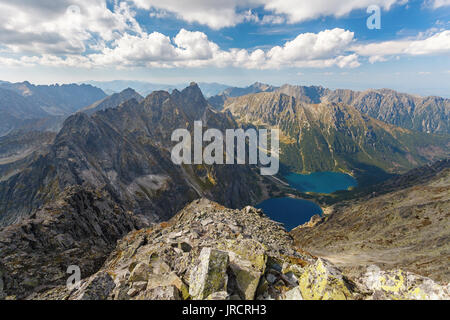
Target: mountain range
x: 330, y: 136
x: 126, y: 151
x: 103, y: 193
x: 426, y: 114
x: 145, y: 88
x: 27, y: 106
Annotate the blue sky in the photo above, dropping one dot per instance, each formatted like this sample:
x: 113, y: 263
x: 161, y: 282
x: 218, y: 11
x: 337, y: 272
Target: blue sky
x: 234, y: 42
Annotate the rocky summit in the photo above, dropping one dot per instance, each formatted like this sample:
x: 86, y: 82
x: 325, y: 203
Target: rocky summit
x: 209, y: 252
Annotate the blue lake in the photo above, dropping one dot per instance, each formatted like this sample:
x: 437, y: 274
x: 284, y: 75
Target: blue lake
x: 289, y: 211
x: 294, y: 212
x: 321, y: 182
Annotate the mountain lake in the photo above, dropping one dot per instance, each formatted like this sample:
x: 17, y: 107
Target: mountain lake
x: 294, y: 212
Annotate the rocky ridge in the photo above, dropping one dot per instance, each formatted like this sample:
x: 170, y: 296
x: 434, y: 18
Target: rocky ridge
x: 210, y: 252
x: 426, y: 114
x: 80, y: 228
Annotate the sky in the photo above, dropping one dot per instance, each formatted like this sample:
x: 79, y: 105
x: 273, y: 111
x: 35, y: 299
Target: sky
x: 234, y: 42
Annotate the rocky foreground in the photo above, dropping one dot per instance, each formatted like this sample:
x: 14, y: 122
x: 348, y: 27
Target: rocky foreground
x: 210, y: 252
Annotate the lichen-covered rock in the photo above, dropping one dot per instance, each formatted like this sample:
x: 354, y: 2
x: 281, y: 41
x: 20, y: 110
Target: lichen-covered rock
x: 247, y: 263
x: 222, y: 295
x: 402, y: 285
x: 210, y: 275
x: 141, y: 272
x: 170, y: 280
x: 293, y: 294
x: 322, y: 281
x: 214, y: 253
x: 163, y: 293
x: 97, y: 288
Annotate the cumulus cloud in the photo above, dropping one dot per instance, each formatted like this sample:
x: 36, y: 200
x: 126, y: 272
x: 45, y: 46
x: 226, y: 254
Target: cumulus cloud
x: 64, y: 26
x: 213, y: 13
x: 311, y: 46
x: 90, y: 34
x: 194, y: 49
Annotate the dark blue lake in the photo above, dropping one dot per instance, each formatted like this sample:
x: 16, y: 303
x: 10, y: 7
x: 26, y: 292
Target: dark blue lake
x: 321, y: 182
x: 289, y: 211
x: 294, y: 212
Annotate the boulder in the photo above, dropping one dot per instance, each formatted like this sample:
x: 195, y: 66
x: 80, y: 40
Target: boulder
x: 322, y: 281
x: 140, y: 272
x: 163, y: 293
x: 293, y: 294
x: 247, y: 263
x: 402, y: 285
x: 209, y: 275
x: 172, y: 279
x: 98, y: 287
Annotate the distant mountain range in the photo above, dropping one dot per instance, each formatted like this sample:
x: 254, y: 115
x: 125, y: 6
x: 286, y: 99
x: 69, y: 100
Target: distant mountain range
x: 426, y: 114
x: 113, y: 101
x: 333, y: 136
x: 27, y: 106
x: 145, y: 88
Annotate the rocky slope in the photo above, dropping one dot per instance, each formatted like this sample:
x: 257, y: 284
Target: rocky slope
x: 426, y: 114
x: 80, y: 228
x: 126, y: 151
x: 20, y: 148
x: 210, y: 252
x: 337, y: 137
x: 404, y: 223
x: 113, y: 101
x: 218, y: 101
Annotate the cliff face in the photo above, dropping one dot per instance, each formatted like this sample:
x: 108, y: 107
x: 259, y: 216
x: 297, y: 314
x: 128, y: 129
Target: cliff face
x: 126, y: 152
x: 335, y: 136
x: 404, y: 223
x: 210, y: 252
x: 80, y: 228
x: 425, y: 114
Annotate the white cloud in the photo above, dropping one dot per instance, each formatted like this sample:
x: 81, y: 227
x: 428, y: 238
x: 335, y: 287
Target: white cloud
x: 90, y: 34
x: 311, y: 46
x: 438, y: 43
x: 301, y: 10
x: 194, y: 49
x: 213, y: 13
x: 62, y: 27
x: 219, y: 13
x: 435, y: 4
